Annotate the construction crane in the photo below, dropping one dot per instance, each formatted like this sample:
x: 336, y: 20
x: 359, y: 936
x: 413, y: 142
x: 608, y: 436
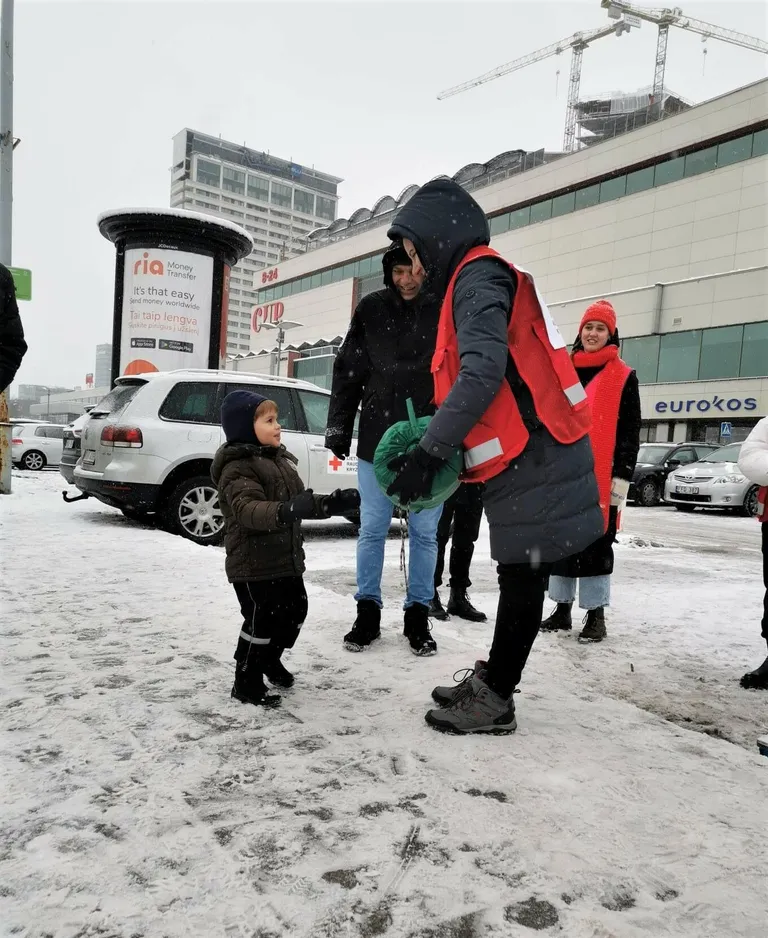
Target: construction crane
x: 619, y: 10
x: 578, y: 42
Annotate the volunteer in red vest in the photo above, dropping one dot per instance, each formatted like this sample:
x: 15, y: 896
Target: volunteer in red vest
x: 614, y: 396
x: 508, y: 395
x: 753, y: 462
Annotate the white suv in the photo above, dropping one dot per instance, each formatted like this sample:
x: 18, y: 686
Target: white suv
x: 148, y: 445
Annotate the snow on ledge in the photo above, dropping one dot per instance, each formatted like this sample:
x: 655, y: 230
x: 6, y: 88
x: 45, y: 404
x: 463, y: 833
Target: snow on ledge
x: 177, y: 213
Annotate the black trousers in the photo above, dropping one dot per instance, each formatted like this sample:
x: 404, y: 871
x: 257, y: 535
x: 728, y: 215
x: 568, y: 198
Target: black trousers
x: 465, y: 509
x: 273, y: 613
x: 764, y: 527
x: 518, y: 618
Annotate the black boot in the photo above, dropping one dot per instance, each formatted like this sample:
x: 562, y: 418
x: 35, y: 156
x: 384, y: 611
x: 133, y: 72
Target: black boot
x: 459, y: 605
x: 249, y: 684
x: 417, y: 630
x: 367, y: 627
x: 757, y: 679
x: 274, y: 669
x: 436, y: 609
x: 560, y: 620
x: 594, y: 627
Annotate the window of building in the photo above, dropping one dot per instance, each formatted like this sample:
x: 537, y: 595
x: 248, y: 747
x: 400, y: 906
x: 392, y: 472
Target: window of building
x: 670, y: 171
x: 208, y: 173
x: 369, y: 285
x: 325, y: 208
x: 234, y: 180
x: 541, y: 211
x: 258, y: 188
x: 244, y: 348
x: 734, y: 151
x: 754, y: 354
x: 326, y: 277
x: 520, y: 218
x: 679, y: 355
x: 303, y: 202
x: 499, y: 224
x: 563, y: 204
x: 642, y: 354
x: 760, y: 143
x: 347, y: 271
x: 640, y: 180
x: 314, y: 281
x: 317, y: 370
x: 191, y: 402
x: 281, y: 195
x: 588, y: 196
x: 702, y: 161
x: 613, y: 189
x: 721, y: 352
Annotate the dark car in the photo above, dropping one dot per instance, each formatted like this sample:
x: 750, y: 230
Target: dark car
x: 71, y: 451
x: 655, y: 461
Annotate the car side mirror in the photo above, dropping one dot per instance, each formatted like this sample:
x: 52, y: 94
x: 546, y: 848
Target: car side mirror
x: 673, y: 463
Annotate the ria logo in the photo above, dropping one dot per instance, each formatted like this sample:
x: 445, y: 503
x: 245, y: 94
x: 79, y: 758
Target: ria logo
x: 146, y: 266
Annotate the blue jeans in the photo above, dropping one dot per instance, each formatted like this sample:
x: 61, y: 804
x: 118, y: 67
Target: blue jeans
x: 594, y: 591
x: 375, y: 519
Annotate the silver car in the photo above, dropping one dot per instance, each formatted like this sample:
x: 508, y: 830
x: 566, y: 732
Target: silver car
x: 712, y: 482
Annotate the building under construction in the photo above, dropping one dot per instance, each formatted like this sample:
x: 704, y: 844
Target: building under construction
x: 608, y: 115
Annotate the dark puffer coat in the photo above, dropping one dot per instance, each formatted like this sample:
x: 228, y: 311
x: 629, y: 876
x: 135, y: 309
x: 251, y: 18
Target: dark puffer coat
x: 384, y: 360
x: 252, y: 482
x: 12, y: 344
x: 597, y: 559
x: 544, y: 505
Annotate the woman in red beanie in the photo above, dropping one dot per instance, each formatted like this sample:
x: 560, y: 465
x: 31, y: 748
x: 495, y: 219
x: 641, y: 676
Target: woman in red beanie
x: 614, y: 395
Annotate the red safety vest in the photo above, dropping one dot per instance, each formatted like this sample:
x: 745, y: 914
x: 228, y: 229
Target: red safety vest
x: 543, y: 362
x: 604, y: 394
x: 762, y: 502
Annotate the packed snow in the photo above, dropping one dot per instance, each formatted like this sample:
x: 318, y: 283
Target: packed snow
x: 140, y: 801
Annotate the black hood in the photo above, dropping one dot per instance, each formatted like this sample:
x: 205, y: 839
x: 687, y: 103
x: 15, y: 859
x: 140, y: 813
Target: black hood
x: 394, y: 255
x: 444, y: 222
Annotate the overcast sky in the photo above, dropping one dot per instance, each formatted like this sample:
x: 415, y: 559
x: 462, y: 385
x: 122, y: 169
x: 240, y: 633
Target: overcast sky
x: 101, y: 88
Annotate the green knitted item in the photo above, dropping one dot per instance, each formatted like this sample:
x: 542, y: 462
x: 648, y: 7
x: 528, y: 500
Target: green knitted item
x: 401, y: 438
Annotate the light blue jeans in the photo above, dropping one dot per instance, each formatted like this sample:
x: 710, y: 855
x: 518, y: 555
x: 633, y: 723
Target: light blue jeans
x: 594, y: 591
x: 375, y: 519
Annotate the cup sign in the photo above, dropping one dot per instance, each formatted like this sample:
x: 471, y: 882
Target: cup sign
x: 270, y: 312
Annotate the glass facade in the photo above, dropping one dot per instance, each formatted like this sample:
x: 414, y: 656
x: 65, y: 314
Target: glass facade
x: 281, y: 195
x: 317, y: 370
x: 303, y: 202
x: 208, y: 173
x: 642, y: 354
x: 663, y: 172
x: 234, y: 180
x: 258, y: 188
x: 754, y: 352
x: 721, y: 352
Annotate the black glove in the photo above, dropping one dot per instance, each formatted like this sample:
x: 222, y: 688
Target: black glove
x: 296, y: 508
x: 341, y: 502
x: 340, y: 450
x: 416, y: 472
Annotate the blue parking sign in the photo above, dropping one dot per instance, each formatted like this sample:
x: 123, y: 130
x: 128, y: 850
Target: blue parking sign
x: 725, y: 430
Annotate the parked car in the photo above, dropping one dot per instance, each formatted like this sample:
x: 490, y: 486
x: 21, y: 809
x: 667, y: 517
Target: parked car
x: 71, y: 451
x: 713, y: 482
x: 147, y: 447
x: 36, y: 445
x: 654, y: 463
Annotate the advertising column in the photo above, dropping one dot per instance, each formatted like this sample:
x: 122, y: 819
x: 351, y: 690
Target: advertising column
x: 171, y: 288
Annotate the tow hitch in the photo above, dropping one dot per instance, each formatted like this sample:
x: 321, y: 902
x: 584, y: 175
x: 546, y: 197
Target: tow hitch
x: 74, y: 498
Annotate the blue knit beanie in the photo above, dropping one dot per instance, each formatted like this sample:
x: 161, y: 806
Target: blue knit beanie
x: 237, y: 412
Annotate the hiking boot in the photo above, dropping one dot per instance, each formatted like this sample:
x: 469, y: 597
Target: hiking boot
x: 444, y: 695
x: 560, y: 620
x: 367, y: 627
x: 475, y: 709
x: 757, y: 679
x: 594, y: 627
x: 249, y: 686
x: 274, y: 669
x: 417, y: 630
x: 459, y: 605
x: 436, y: 609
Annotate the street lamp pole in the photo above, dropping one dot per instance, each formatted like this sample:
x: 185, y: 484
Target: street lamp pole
x: 6, y: 206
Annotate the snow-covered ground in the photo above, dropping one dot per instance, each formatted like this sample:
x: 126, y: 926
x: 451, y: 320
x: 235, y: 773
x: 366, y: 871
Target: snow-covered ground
x: 139, y: 801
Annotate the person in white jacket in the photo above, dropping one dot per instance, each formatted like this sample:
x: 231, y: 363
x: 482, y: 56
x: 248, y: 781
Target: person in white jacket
x: 753, y: 462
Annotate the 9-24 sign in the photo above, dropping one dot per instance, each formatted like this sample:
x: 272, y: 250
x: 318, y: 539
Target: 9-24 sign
x: 269, y: 276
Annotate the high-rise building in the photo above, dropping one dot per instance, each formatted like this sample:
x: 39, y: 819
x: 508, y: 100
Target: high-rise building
x: 103, y: 370
x: 279, y: 202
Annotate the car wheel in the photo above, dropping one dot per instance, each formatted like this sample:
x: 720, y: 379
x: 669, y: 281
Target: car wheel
x: 687, y: 508
x: 192, y: 510
x: 33, y: 460
x: 648, y: 494
x: 750, y: 502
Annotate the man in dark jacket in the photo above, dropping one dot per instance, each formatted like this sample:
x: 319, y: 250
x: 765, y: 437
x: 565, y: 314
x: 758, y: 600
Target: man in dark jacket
x: 385, y: 360
x: 541, y: 506
x: 12, y: 344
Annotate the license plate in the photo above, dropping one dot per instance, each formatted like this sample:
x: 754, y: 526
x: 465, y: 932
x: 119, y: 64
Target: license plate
x: 89, y: 457
x: 69, y: 444
x: 687, y: 489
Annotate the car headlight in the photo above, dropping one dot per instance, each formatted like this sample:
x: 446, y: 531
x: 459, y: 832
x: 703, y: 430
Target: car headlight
x: 735, y: 479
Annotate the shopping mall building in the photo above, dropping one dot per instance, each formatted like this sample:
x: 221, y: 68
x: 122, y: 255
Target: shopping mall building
x: 668, y: 221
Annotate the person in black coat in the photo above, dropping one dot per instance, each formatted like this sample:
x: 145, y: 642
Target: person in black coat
x: 384, y: 361
x: 615, y: 396
x: 12, y: 344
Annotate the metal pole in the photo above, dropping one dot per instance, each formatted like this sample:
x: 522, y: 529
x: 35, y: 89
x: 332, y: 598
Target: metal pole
x: 6, y: 205
x: 280, y: 340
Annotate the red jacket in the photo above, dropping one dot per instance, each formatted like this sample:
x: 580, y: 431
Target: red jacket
x: 541, y: 358
x: 762, y: 496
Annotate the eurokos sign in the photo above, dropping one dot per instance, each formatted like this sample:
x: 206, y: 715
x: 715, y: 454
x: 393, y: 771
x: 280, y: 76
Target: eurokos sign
x: 707, y: 405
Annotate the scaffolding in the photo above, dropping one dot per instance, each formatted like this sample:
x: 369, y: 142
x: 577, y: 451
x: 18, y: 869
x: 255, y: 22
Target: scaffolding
x: 604, y: 116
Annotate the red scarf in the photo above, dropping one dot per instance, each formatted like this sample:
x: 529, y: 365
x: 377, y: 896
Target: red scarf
x: 604, y: 392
